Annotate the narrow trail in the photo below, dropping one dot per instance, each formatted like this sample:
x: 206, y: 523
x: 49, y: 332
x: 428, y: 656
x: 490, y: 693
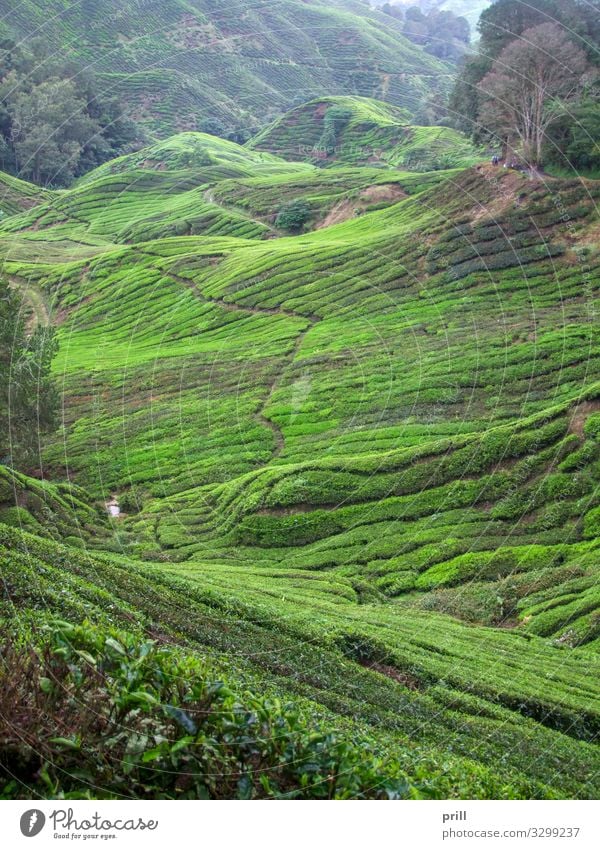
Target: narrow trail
x: 209, y: 197
x: 253, y: 310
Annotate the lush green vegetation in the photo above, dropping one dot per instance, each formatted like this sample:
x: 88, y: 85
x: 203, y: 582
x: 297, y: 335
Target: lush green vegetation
x: 29, y: 399
x: 54, y: 124
x: 330, y: 671
x: 359, y: 472
x: 175, y: 64
x: 509, y: 89
x: 188, y: 735
x: 440, y: 31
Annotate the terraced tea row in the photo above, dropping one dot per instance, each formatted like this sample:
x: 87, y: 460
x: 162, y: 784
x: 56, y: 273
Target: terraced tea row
x: 360, y: 464
x: 363, y: 131
x: 178, y: 63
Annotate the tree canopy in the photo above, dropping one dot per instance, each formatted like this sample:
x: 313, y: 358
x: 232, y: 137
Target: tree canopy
x: 29, y: 399
x: 54, y: 125
x: 293, y: 215
x: 490, y: 99
x: 440, y: 32
x: 529, y: 86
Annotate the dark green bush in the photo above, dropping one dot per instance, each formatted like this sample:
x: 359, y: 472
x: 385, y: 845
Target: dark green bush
x: 88, y: 712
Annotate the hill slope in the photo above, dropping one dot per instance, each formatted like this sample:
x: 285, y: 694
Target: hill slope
x: 360, y: 463
x: 173, y: 63
x: 194, y: 184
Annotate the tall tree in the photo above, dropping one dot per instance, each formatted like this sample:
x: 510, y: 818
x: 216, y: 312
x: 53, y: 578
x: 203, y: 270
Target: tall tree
x: 53, y: 123
x: 29, y: 399
x: 530, y: 83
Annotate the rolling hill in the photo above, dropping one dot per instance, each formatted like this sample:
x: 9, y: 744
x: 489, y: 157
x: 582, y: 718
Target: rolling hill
x: 16, y: 195
x: 174, y: 63
x: 358, y: 466
x: 362, y: 131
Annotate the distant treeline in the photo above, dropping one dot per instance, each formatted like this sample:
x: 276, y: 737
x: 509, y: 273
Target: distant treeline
x: 533, y: 82
x: 439, y: 32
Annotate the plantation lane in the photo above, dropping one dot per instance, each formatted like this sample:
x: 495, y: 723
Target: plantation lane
x: 40, y: 313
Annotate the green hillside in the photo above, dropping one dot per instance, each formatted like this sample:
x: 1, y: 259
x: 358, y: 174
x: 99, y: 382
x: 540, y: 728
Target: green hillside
x: 361, y: 131
x: 194, y: 184
x: 469, y: 9
x: 358, y: 468
x: 174, y: 63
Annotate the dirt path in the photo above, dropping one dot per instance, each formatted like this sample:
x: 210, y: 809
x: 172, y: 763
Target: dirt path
x: 580, y: 414
x: 260, y: 415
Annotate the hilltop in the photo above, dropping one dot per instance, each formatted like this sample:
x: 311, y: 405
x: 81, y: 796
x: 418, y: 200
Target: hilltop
x: 362, y: 131
x: 193, y: 184
x: 357, y: 466
x: 174, y: 63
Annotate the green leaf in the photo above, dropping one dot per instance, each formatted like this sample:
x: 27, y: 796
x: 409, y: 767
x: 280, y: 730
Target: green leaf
x: 85, y: 655
x: 66, y: 743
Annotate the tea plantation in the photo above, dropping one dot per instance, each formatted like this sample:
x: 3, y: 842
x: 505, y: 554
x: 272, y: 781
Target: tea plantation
x: 358, y: 468
x: 359, y: 130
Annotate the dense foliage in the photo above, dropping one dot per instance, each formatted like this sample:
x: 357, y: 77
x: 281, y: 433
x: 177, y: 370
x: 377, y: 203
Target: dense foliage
x: 532, y: 82
x: 439, y: 31
x: 293, y: 215
x: 95, y: 712
x: 502, y: 29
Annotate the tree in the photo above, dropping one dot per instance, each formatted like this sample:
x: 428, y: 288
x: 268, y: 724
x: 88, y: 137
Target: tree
x: 583, y: 148
x: 530, y: 83
x: 439, y: 32
x: 29, y: 399
x: 448, y: 35
x: 464, y: 102
x: 504, y: 20
x: 53, y: 124
x: 213, y: 127
x: 293, y: 215
x: 574, y: 140
x: 499, y: 25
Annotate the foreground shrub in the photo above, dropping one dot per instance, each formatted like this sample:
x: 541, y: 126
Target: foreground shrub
x: 90, y: 713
